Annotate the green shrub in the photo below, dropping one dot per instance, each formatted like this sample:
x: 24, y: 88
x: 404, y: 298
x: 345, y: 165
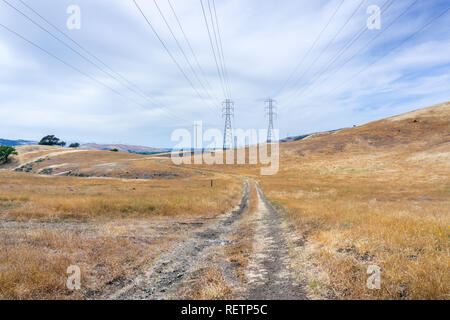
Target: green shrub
x: 51, y: 140
x: 5, y: 152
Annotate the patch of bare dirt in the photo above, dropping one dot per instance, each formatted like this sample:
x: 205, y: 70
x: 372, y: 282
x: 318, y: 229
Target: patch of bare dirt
x: 165, y: 278
x: 270, y: 275
x: 198, y: 268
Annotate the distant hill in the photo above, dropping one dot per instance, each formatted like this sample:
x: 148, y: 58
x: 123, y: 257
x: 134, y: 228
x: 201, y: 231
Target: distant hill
x: 6, y: 142
x: 294, y: 138
x: 422, y: 130
x: 122, y: 148
x: 304, y: 136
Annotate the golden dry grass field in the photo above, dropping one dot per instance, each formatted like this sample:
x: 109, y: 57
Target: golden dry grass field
x: 378, y: 194
x: 109, y: 226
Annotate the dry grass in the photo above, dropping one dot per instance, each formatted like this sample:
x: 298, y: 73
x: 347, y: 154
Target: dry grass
x: 35, y: 255
x: 108, y: 227
x: 94, y: 164
x: 242, y: 239
x: 395, y: 218
x: 376, y: 194
x: 30, y: 153
x: 24, y: 195
x: 209, y: 284
x: 384, y: 203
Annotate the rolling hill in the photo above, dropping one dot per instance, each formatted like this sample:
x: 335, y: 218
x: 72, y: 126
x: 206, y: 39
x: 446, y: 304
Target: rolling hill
x: 13, y: 143
x: 122, y: 148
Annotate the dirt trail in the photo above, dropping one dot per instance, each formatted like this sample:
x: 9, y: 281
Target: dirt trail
x: 166, y: 276
x: 268, y: 273
x: 22, y: 162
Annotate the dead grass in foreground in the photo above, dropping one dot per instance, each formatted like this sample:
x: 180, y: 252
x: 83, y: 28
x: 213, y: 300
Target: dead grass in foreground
x: 208, y: 284
x: 25, y: 196
x: 34, y: 259
x: 241, y: 248
x: 108, y: 227
x: 393, y: 217
x: 374, y: 197
x: 378, y: 194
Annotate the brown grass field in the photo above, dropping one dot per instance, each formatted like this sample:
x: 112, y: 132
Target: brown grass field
x: 108, y: 227
x: 378, y: 194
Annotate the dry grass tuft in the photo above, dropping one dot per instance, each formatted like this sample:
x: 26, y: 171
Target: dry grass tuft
x: 375, y: 194
x: 241, y: 248
x: 107, y: 227
x: 373, y: 201
x: 25, y: 196
x: 210, y: 285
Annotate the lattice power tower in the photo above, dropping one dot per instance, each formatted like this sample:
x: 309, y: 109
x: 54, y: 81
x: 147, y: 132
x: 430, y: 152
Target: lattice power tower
x: 270, y: 111
x: 228, y: 114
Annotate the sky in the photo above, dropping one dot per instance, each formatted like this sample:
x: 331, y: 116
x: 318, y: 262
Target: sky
x: 318, y: 59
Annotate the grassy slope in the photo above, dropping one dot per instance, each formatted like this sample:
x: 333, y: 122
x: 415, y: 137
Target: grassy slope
x: 108, y: 227
x: 375, y: 194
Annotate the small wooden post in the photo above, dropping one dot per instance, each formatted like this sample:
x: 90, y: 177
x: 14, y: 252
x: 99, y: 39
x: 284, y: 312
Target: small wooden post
x: 212, y: 183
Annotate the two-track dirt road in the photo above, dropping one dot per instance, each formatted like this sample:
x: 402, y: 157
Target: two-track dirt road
x: 267, y: 276
x: 270, y: 276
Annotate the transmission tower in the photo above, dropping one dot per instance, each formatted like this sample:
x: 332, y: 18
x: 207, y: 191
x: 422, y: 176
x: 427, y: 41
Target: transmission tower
x: 270, y: 111
x: 228, y: 113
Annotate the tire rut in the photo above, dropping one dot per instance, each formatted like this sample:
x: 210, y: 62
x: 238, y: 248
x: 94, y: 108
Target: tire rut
x: 269, y: 274
x: 168, y: 274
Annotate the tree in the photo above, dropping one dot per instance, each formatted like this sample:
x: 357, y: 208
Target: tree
x: 5, y: 152
x: 114, y: 150
x: 50, y: 140
x: 74, y: 145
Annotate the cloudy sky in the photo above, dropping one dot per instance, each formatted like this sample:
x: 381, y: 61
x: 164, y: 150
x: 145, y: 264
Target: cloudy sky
x: 317, y: 59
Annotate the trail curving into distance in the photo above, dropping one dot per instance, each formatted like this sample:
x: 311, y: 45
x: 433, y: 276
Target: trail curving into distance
x: 267, y: 276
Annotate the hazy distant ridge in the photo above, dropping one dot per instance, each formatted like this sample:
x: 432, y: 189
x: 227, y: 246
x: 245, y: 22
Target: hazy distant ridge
x: 7, y: 142
x: 121, y: 148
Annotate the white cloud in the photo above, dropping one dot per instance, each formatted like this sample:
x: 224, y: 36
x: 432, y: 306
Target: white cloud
x: 263, y: 42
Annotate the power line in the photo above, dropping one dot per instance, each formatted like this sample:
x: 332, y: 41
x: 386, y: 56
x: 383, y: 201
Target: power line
x: 329, y: 43
x: 221, y: 48
x: 217, y: 38
x: 82, y: 48
x: 55, y: 37
x: 229, y: 105
x: 368, y: 43
x: 190, y: 47
x: 168, y: 51
x: 132, y: 87
x: 276, y: 93
x: 75, y: 51
x: 181, y: 49
x: 363, y: 69
x: 387, y: 4
x: 394, y: 48
x: 222, y: 82
x: 65, y: 63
